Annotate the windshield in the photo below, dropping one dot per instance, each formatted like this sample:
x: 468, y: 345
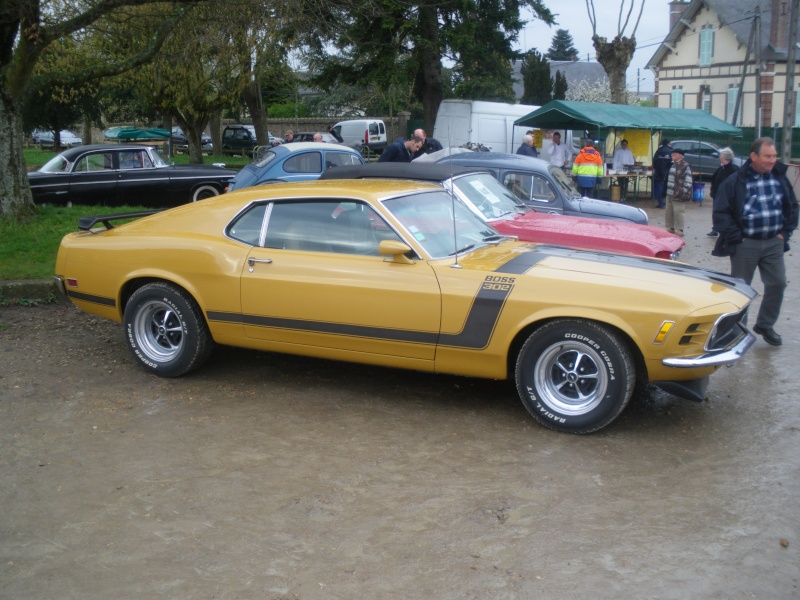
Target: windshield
x: 441, y: 225
x: 488, y: 196
x: 564, y: 182
x: 57, y: 164
x: 158, y: 160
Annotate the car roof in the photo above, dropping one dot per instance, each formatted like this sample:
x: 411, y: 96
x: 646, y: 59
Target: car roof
x: 291, y: 147
x: 73, y: 153
x: 389, y: 170
x: 498, y: 160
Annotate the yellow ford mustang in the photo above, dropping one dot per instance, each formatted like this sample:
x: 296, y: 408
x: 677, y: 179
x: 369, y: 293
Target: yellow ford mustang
x: 399, y: 274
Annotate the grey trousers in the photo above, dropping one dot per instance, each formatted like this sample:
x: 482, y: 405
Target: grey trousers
x: 767, y: 256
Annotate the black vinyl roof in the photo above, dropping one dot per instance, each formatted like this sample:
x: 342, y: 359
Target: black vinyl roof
x: 437, y: 172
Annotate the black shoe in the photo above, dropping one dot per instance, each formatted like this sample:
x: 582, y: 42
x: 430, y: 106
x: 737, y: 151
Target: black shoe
x: 769, y: 335
x: 713, y: 233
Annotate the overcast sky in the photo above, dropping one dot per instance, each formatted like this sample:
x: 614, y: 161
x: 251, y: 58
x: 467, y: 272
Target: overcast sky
x: 573, y: 16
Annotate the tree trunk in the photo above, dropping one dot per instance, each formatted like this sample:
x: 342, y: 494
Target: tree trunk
x: 615, y: 56
x: 429, y: 52
x: 16, y: 201
x: 255, y: 106
x: 216, y: 132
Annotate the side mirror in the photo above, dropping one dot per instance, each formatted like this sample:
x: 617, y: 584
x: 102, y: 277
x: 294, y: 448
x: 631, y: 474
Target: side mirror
x: 395, y: 250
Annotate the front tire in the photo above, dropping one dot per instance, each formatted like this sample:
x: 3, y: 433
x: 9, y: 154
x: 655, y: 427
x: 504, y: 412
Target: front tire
x: 574, y: 375
x: 165, y: 330
x: 203, y: 192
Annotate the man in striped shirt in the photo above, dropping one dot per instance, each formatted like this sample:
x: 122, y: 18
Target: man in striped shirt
x: 755, y: 212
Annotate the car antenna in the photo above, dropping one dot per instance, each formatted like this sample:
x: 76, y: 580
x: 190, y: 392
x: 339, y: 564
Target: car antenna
x: 452, y: 191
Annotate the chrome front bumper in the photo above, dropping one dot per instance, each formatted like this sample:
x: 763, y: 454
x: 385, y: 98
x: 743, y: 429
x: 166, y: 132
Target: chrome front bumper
x: 713, y: 359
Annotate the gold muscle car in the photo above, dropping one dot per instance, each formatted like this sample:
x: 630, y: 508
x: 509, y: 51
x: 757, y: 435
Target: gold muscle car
x: 397, y: 273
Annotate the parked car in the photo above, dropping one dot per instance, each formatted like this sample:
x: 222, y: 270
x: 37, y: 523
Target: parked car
x: 703, y: 157
x: 117, y: 174
x: 238, y: 138
x: 46, y: 139
x: 542, y: 186
x: 364, y: 271
x: 308, y: 136
x: 498, y: 206
x: 363, y: 134
x: 179, y: 140
x: 294, y: 162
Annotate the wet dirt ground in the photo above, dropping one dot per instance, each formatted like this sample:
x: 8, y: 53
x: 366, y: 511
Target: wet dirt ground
x: 274, y: 477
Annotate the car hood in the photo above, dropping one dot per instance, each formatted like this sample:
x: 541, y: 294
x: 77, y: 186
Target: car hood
x: 591, y: 234
x: 611, y: 277
x: 607, y: 210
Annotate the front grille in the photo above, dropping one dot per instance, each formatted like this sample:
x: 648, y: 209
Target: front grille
x: 727, y: 330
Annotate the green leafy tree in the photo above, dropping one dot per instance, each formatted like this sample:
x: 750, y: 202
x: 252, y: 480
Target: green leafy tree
x: 28, y: 30
x: 560, y: 86
x: 399, y: 46
x: 562, y: 48
x: 538, y: 85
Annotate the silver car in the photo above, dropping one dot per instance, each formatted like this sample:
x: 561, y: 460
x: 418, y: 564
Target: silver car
x: 703, y: 157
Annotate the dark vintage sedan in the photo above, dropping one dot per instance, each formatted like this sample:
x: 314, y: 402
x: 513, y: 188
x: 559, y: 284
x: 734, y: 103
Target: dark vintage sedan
x: 118, y: 174
x: 544, y: 187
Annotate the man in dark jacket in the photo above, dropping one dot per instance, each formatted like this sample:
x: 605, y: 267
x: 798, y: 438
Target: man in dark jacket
x: 726, y: 168
x: 401, y: 150
x: 527, y: 148
x: 429, y: 144
x: 755, y: 213
x: 662, y: 161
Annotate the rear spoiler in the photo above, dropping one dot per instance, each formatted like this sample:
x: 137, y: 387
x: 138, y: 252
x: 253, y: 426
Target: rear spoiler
x: 86, y: 223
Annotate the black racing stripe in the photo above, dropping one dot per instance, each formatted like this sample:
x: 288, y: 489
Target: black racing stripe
x: 481, y: 320
x: 476, y: 333
x: 90, y: 298
x: 523, y: 262
x: 396, y: 335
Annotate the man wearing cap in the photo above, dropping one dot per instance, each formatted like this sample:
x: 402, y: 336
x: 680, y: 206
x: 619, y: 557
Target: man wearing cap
x: 755, y: 213
x: 679, y: 192
x: 661, y: 165
x: 288, y: 136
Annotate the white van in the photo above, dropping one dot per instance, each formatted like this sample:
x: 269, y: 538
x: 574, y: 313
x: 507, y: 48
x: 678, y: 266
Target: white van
x: 479, y: 122
x: 362, y: 133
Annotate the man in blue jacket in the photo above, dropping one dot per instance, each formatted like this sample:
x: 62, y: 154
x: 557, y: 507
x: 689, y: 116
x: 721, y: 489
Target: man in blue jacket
x: 755, y: 213
x: 401, y: 150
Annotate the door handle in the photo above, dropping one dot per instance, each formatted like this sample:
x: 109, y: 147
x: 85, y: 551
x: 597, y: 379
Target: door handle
x: 252, y: 261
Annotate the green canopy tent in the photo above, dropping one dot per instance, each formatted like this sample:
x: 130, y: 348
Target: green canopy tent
x: 135, y: 133
x: 560, y: 114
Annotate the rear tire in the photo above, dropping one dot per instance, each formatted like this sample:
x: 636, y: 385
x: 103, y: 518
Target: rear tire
x: 165, y: 330
x: 574, y: 375
x: 203, y: 192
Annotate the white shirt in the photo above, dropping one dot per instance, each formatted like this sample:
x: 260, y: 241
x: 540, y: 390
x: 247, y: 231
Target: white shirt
x: 560, y: 155
x: 622, y: 158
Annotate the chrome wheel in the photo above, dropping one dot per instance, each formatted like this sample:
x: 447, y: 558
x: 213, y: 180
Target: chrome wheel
x: 159, y: 331
x: 571, y: 378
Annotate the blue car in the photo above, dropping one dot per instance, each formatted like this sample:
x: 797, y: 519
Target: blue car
x: 297, y: 161
x: 543, y: 187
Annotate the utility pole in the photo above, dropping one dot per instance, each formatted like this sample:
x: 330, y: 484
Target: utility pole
x: 788, y: 96
x: 757, y: 72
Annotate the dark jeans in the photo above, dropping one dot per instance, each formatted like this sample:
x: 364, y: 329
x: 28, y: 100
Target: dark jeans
x: 767, y: 256
x: 658, y: 190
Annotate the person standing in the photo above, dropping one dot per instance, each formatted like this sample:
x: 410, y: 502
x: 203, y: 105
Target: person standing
x: 288, y: 136
x: 429, y: 145
x: 560, y: 154
x: 755, y: 213
x: 318, y: 137
x: 526, y: 148
x: 726, y: 168
x: 661, y: 164
x: 679, y: 192
x: 587, y: 167
x: 401, y: 150
x: 335, y: 134
x: 623, y: 158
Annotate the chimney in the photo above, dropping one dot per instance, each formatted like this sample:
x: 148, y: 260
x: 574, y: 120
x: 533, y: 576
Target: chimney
x: 779, y: 25
x: 676, y: 8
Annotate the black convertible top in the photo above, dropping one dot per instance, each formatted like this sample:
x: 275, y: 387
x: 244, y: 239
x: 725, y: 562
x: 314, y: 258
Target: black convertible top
x: 437, y: 172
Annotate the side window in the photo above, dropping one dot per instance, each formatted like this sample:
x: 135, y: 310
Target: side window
x: 247, y: 227
x: 307, y: 162
x: 95, y: 162
x: 130, y: 159
x: 228, y: 134
x: 519, y: 184
x: 541, y: 190
x: 338, y: 159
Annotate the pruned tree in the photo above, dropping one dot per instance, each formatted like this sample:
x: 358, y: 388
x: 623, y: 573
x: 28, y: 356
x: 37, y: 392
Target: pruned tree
x: 616, y: 55
x: 28, y: 29
x: 536, y: 80
x: 562, y: 47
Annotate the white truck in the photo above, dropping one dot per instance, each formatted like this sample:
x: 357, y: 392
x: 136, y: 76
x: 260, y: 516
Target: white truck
x: 476, y: 121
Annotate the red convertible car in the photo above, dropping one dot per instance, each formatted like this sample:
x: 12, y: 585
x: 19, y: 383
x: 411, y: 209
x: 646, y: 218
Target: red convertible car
x: 497, y: 205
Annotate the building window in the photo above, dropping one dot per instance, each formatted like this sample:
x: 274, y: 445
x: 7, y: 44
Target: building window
x: 677, y: 98
x: 733, y: 93
x: 706, y: 46
x: 796, y: 108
